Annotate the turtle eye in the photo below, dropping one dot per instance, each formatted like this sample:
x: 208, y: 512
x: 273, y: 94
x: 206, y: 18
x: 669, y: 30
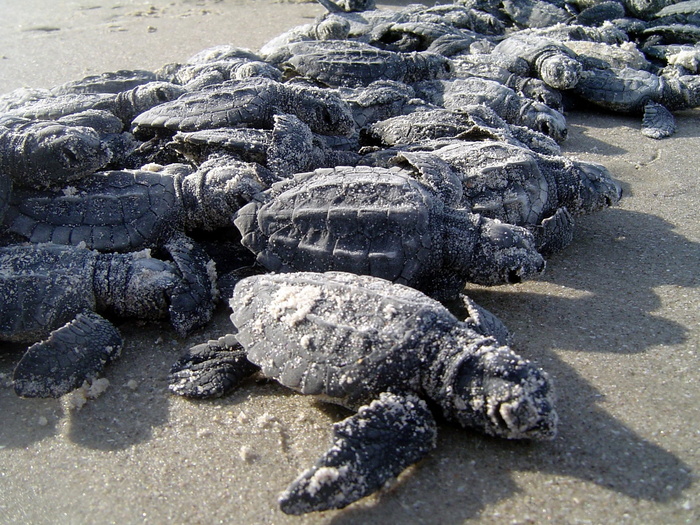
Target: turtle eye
x: 544, y: 128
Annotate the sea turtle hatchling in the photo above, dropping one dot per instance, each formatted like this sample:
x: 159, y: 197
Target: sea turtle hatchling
x: 351, y: 63
x: 51, y: 293
x: 127, y: 210
x: 252, y: 102
x: 387, y: 223
x: 41, y: 154
x: 360, y: 341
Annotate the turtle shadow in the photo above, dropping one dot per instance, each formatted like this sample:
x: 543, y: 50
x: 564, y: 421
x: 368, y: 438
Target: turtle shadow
x: 24, y: 421
x: 600, y: 294
x: 136, y: 401
x: 580, y: 141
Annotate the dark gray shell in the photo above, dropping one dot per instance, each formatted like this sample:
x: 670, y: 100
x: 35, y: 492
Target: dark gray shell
x: 628, y: 90
x: 109, y: 211
x: 456, y: 94
x: 535, y: 13
x: 47, y: 153
x: 247, y: 103
x: 294, y: 328
x: 43, y: 287
x: 108, y: 82
x: 353, y: 64
x: 502, y: 181
x: 363, y: 220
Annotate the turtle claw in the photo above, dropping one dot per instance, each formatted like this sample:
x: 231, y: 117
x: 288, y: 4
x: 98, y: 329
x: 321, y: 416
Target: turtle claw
x: 76, y: 352
x: 369, y: 448
x: 211, y: 369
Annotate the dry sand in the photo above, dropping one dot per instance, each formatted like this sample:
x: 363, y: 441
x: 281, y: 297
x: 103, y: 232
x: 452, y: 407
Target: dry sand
x: 614, y: 320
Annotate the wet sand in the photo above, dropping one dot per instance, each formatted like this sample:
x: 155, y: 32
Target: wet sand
x: 614, y: 320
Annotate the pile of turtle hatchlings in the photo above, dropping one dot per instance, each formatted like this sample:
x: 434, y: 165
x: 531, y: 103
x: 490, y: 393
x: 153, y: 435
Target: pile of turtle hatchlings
x: 334, y: 186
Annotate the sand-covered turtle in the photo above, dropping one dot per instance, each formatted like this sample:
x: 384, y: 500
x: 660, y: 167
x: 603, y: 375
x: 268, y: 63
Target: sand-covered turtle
x: 351, y: 63
x: 125, y: 105
x: 251, y: 102
x: 549, y: 59
x: 387, y: 223
x: 518, y: 186
x: 41, y: 154
x: 52, y: 294
x: 379, y: 348
x: 473, y: 122
x: 458, y: 93
x: 637, y: 91
x: 126, y: 210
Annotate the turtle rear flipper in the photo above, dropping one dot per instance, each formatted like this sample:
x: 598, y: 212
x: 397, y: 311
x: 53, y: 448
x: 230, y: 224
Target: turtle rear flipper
x: 369, y: 448
x: 555, y: 232
x: 76, y: 352
x: 657, y: 122
x: 211, y: 369
x: 192, y: 300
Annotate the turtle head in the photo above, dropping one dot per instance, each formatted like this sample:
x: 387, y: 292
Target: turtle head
x: 559, y: 70
x: 60, y: 154
x: 488, y: 251
x: 542, y: 118
x: 491, y: 388
x: 221, y: 186
x: 596, y: 189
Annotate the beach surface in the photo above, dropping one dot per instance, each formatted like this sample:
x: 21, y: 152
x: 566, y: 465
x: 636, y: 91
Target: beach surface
x: 614, y: 320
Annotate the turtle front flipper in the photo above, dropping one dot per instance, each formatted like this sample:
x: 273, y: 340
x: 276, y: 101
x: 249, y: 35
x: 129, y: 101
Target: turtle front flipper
x: 657, y: 122
x: 369, y: 448
x: 72, y: 354
x: 484, y: 322
x: 211, y: 369
x: 554, y: 233
x: 192, y: 299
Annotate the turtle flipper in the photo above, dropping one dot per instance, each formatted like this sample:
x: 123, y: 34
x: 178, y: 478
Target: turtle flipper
x: 658, y: 122
x: 369, y: 448
x: 211, y: 369
x: 555, y: 232
x: 77, y: 351
x: 484, y: 322
x: 192, y: 300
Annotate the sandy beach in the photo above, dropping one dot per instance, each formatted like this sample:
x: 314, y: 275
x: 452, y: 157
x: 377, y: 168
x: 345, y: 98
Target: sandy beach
x: 614, y: 320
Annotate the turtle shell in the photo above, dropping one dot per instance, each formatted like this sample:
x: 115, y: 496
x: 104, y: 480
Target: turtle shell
x: 337, y: 334
x: 233, y: 103
x: 501, y: 181
x: 364, y: 220
x: 42, y: 287
x: 109, y: 211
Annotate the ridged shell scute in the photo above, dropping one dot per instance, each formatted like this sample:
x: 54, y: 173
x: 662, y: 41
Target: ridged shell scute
x: 362, y: 220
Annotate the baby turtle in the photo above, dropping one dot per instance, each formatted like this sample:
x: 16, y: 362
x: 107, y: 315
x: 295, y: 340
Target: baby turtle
x: 630, y: 90
x: 252, y: 102
x: 41, y: 154
x: 360, y: 341
x: 51, y: 293
x: 461, y: 92
x: 126, y: 210
x: 386, y: 223
x: 335, y: 63
x: 549, y: 59
x: 518, y: 186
